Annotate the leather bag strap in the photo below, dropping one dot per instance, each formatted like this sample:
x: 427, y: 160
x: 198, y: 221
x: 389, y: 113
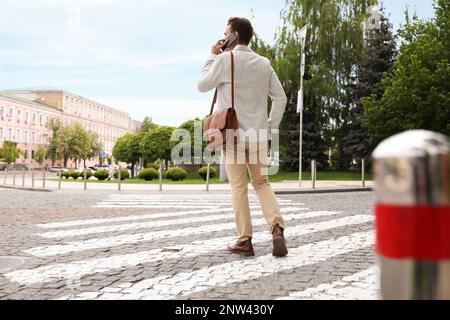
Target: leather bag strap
x: 232, y: 87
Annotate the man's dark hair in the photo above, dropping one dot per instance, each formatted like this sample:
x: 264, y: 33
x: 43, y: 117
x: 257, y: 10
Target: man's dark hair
x: 243, y: 26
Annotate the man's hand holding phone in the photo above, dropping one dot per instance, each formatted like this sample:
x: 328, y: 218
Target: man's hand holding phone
x: 217, y: 47
x: 223, y: 44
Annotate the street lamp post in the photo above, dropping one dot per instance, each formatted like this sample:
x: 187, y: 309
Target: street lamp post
x: 303, y: 33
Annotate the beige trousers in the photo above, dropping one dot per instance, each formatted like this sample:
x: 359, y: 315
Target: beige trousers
x: 252, y: 157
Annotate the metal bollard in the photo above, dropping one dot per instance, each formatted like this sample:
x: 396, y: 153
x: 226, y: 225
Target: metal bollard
x: 313, y: 173
x: 363, y: 173
x: 207, y: 177
x: 23, y: 177
x: 412, y: 182
x: 43, y: 178
x: 32, y: 177
x: 5, y: 176
x: 160, y: 176
x: 119, y: 175
x: 14, y: 176
x: 84, y: 177
x: 60, y: 178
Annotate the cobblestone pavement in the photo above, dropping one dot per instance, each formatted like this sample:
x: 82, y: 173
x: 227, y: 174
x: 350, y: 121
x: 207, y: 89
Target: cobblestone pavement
x: 172, y: 245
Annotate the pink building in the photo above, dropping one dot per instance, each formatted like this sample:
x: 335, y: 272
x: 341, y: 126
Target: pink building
x: 24, y: 114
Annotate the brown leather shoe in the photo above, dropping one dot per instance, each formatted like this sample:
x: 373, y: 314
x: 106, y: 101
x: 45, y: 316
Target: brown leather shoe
x: 244, y: 247
x: 279, y: 243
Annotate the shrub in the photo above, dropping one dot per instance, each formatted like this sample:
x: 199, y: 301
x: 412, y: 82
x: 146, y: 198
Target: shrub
x: 101, y: 174
x: 66, y: 174
x: 153, y: 166
x: 124, y: 174
x: 176, y: 174
x: 88, y: 174
x: 75, y: 174
x: 148, y: 174
x: 203, y: 171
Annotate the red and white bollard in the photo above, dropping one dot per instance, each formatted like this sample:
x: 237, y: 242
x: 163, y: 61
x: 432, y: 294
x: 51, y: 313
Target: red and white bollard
x: 412, y: 182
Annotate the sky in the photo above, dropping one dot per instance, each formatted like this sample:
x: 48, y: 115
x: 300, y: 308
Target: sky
x: 140, y: 56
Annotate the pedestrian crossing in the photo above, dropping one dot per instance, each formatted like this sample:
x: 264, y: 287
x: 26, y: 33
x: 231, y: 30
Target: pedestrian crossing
x: 198, y: 234
x: 362, y: 285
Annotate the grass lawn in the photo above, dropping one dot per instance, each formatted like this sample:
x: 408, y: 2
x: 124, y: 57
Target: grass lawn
x: 194, y: 178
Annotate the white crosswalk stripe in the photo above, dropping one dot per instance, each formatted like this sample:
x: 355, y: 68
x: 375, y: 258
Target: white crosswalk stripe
x: 363, y: 285
x: 83, y: 267
x: 225, y: 274
x: 155, y: 215
x: 150, y: 224
x: 170, y: 202
x: 114, y: 241
x: 173, y: 217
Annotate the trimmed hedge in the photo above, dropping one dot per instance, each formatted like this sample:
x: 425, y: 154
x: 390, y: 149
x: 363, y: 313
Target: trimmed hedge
x: 66, y: 174
x: 204, y: 170
x: 75, y: 175
x: 148, y: 174
x: 176, y: 174
x: 101, y: 174
x: 124, y: 174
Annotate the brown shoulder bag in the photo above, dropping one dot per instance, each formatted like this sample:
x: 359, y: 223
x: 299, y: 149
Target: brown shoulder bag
x: 217, y: 123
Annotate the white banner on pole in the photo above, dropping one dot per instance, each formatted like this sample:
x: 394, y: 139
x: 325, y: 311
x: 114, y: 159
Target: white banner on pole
x: 300, y: 101
x: 303, y: 62
x: 303, y: 33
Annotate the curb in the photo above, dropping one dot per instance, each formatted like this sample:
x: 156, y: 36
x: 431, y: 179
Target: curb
x: 331, y: 190
x: 26, y: 188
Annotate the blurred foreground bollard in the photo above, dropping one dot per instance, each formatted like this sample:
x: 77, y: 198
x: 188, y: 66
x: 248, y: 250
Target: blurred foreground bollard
x: 412, y: 181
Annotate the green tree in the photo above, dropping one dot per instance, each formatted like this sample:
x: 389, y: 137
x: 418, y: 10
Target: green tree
x: 54, y: 148
x: 40, y: 154
x: 77, y: 140
x: 330, y: 65
x: 190, y: 127
x: 148, y: 125
x: 127, y: 149
x: 379, y: 57
x: 155, y: 144
x: 417, y: 92
x: 9, y: 152
x: 93, y: 148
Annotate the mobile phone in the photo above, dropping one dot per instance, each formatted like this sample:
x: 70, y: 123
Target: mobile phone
x: 231, y: 39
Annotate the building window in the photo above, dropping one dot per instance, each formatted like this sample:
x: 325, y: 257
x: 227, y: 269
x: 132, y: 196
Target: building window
x: 40, y: 119
x: 10, y: 134
x: 25, y: 138
x: 32, y: 154
x: 2, y: 111
x: 34, y: 118
x: 1, y: 133
x: 32, y: 137
x: 18, y: 115
x: 18, y: 135
x: 26, y: 117
x: 11, y: 112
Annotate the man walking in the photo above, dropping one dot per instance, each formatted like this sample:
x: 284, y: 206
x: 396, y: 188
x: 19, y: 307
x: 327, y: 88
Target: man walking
x: 254, y: 80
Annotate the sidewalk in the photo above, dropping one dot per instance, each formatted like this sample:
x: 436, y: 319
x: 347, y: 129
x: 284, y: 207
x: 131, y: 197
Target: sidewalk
x: 285, y: 187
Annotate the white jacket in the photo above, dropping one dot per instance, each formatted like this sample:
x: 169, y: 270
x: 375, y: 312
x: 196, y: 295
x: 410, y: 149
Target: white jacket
x: 254, y: 80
